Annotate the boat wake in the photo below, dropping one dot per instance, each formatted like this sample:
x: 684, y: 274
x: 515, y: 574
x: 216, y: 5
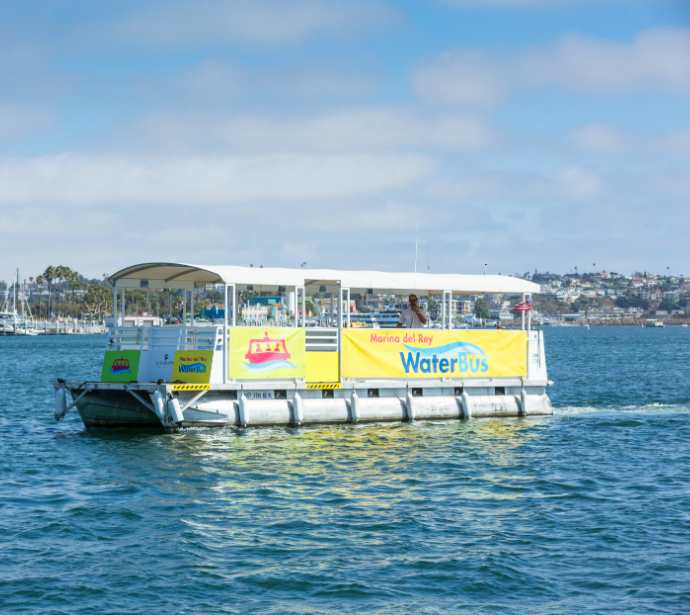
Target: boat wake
x: 642, y: 408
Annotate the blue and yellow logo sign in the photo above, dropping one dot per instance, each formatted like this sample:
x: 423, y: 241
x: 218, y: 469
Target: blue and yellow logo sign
x: 192, y: 366
x: 434, y: 354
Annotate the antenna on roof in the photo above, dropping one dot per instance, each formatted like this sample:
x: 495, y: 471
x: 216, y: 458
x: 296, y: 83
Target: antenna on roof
x: 416, y: 244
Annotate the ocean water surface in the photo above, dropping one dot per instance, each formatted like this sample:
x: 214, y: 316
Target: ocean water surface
x: 587, y: 511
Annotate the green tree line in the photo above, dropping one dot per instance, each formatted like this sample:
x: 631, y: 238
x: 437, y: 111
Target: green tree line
x: 96, y: 298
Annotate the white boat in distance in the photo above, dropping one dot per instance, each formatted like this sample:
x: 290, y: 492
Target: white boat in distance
x: 11, y: 321
x: 387, y: 319
x: 234, y: 375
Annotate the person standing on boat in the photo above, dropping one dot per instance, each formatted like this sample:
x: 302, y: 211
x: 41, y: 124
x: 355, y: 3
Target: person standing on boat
x: 412, y: 317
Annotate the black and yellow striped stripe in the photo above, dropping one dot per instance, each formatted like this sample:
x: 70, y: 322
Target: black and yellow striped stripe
x: 191, y: 387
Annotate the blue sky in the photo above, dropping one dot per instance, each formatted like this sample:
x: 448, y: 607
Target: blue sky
x: 528, y: 134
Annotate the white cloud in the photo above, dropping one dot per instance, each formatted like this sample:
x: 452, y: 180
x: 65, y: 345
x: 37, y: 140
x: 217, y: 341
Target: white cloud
x: 464, y: 76
x: 606, y: 139
x: 568, y: 184
x: 204, y: 182
x: 385, y: 220
x: 656, y: 61
x: 675, y: 143
x: 578, y: 183
x: 668, y: 182
x: 19, y: 120
x: 574, y: 215
x: 220, y: 80
x: 345, y: 129
x: 236, y: 22
x: 603, y: 138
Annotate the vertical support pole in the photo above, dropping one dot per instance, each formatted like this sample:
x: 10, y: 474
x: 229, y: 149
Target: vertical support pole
x: 450, y: 309
x: 234, y: 305
x: 332, y: 309
x: 340, y: 330
x: 114, y: 307
x: 304, y: 306
x: 298, y: 306
x: 192, y: 308
x: 123, y: 306
x: 443, y: 312
x: 447, y: 314
x: 347, y: 307
x: 225, y: 333
x: 524, y: 297
x: 184, y: 309
x: 529, y: 315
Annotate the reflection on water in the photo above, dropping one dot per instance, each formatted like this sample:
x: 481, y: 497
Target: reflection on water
x: 372, y: 465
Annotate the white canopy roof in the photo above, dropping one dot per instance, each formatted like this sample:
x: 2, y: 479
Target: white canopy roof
x: 181, y: 275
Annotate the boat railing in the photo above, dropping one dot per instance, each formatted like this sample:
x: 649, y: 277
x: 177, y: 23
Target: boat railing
x: 181, y: 338
x: 318, y: 339
x: 321, y: 339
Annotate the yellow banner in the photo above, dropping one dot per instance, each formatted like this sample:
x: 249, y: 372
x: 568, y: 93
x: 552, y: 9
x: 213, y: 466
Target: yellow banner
x: 421, y: 353
x: 192, y: 366
x: 267, y: 353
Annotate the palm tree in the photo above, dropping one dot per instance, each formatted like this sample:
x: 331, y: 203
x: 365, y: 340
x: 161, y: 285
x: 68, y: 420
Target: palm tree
x: 49, y: 275
x: 39, y: 280
x: 62, y: 273
x: 74, y: 280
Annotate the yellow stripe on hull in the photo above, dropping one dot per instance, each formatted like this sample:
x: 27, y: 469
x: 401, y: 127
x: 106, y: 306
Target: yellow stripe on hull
x: 191, y: 387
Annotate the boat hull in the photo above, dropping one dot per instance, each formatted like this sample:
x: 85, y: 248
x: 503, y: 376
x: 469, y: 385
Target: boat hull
x: 114, y: 409
x: 119, y: 407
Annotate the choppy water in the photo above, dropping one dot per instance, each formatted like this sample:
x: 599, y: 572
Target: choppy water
x: 587, y: 511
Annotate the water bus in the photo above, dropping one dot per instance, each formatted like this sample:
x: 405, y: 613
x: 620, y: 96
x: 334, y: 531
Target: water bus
x: 201, y: 375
